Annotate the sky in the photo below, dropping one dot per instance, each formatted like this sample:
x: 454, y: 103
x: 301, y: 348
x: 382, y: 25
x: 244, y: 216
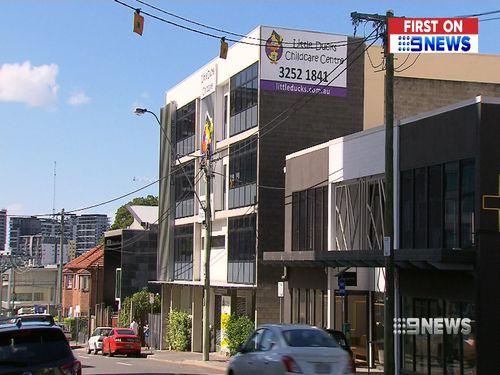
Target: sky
x: 72, y: 72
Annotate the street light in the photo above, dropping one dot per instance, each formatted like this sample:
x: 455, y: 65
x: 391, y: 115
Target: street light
x: 208, y: 233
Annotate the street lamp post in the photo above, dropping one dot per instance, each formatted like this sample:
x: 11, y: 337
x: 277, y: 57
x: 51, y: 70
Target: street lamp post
x: 208, y: 234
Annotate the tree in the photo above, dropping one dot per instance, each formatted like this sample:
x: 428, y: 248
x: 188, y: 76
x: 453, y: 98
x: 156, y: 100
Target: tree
x: 140, y: 308
x: 123, y: 218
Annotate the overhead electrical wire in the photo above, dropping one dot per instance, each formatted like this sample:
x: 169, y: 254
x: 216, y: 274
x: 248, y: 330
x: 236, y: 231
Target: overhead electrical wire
x: 211, y: 35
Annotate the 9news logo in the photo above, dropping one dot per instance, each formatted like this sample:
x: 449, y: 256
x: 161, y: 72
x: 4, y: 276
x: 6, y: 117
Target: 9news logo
x: 433, y: 35
x: 432, y: 326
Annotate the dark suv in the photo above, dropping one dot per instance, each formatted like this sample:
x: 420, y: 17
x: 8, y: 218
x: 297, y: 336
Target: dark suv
x: 35, y: 347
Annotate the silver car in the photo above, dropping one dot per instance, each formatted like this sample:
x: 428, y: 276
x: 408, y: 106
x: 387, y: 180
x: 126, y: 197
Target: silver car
x: 289, y: 349
x: 95, y: 341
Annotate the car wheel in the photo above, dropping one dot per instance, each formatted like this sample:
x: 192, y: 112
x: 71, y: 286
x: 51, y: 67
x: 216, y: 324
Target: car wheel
x: 138, y: 354
x: 102, y: 352
x: 89, y: 350
x: 110, y: 352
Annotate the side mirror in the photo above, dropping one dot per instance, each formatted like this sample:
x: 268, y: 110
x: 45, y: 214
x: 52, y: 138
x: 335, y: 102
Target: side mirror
x: 239, y: 348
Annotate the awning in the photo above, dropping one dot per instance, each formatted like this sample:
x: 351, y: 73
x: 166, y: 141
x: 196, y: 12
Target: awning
x: 430, y: 259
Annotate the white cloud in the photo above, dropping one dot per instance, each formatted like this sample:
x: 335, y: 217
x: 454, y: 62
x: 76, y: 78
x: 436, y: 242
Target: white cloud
x: 78, y: 98
x: 33, y: 85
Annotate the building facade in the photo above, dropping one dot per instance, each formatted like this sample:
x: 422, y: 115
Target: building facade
x: 90, y: 229
x: 29, y: 287
x: 22, y: 226
x: 258, y: 116
x: 446, y: 225
x: 3, y: 230
x: 83, y: 283
x: 41, y: 250
x: 130, y: 256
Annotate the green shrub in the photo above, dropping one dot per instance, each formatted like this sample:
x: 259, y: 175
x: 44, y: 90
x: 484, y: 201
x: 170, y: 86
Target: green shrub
x: 179, y: 330
x: 238, y: 329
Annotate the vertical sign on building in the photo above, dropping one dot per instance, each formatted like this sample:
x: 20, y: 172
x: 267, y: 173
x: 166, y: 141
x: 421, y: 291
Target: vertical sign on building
x: 303, y: 62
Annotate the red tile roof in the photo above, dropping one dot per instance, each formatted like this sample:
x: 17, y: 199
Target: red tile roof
x: 91, y: 258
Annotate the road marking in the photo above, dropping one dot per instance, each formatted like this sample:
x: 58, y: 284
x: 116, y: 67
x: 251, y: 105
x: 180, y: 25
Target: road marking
x: 83, y: 356
x: 123, y: 363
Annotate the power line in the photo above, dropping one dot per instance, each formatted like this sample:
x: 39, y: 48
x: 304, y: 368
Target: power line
x: 306, y: 98
x: 479, y: 14
x: 211, y: 35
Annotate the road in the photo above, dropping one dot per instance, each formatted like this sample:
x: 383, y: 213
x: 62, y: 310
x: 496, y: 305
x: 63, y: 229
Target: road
x: 98, y: 364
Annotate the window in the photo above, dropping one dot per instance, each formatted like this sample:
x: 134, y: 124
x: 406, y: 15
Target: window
x: 69, y: 281
x: 242, y: 249
x: 467, y: 203
x: 185, y: 125
x: 183, y: 252
x: 84, y: 283
x: 184, y: 194
x: 243, y: 97
x: 438, y: 354
x: 243, y: 173
x: 437, y: 206
x: 451, y: 205
x: 310, y: 219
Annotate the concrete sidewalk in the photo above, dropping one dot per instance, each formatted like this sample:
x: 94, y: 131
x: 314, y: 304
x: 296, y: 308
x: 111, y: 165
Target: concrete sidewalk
x: 217, y: 361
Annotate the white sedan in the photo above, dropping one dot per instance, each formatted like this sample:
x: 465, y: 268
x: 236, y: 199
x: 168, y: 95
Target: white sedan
x: 289, y: 349
x: 95, y: 341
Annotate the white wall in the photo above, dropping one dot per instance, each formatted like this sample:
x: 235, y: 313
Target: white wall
x: 357, y: 155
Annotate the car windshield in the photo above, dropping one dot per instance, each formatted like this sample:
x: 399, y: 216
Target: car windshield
x: 33, y: 346
x: 308, y: 338
x: 104, y: 331
x: 125, y: 332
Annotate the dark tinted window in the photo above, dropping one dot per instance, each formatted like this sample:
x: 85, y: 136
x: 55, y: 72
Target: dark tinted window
x: 33, y: 347
x: 124, y: 332
x: 308, y: 338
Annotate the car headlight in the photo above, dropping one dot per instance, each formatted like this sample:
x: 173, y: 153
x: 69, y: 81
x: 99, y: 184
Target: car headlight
x: 118, y: 339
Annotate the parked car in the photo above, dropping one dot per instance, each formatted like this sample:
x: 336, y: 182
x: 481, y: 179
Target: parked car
x: 42, y: 318
x: 342, y: 341
x: 289, y: 348
x: 35, y: 347
x: 121, y: 341
x: 95, y: 341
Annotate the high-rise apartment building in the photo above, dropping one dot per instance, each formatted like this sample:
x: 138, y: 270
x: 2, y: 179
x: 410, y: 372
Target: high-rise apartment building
x: 22, y: 226
x: 89, y: 230
x: 3, y: 229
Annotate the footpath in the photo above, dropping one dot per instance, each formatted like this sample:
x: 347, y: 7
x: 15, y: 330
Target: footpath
x: 217, y: 361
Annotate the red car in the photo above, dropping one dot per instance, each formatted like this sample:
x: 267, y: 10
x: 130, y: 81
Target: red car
x: 121, y: 341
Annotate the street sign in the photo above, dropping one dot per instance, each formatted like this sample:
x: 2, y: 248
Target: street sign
x: 341, y: 287
x: 151, y: 298
x: 280, y: 289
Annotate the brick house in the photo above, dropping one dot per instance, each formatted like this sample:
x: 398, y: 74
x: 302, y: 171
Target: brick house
x: 83, y: 283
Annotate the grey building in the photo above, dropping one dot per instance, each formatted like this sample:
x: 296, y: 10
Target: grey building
x: 259, y: 116
x: 22, y: 226
x: 130, y: 256
x: 89, y: 230
x: 3, y: 229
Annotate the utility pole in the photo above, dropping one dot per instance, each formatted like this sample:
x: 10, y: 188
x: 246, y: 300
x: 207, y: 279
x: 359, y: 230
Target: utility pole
x: 382, y: 22
x: 60, y: 270
x: 206, y: 266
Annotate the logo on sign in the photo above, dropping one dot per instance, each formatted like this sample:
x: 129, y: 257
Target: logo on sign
x: 432, y: 326
x: 433, y: 35
x: 274, y: 47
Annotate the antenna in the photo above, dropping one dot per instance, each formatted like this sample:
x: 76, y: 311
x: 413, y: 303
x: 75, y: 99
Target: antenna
x: 54, y: 196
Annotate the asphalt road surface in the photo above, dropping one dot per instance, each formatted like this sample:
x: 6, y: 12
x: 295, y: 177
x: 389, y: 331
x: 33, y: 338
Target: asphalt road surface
x: 98, y: 364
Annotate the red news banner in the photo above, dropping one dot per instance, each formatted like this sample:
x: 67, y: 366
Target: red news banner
x: 433, y: 35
